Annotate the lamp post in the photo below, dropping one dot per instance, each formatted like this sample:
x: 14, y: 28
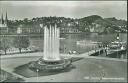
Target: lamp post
x: 64, y: 49
x: 37, y: 73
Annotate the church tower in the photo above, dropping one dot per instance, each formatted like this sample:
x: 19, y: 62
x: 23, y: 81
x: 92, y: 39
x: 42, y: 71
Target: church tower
x: 6, y: 19
x: 2, y: 20
x: 3, y: 24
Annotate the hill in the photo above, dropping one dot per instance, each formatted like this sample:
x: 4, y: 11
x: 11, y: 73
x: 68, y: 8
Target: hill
x: 93, y: 23
x: 96, y: 23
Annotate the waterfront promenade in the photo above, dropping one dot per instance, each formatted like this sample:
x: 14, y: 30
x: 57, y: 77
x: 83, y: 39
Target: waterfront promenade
x: 10, y: 62
x: 102, y: 68
x: 83, y: 55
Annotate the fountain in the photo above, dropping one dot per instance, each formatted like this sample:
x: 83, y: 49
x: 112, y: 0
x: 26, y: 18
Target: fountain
x: 51, y: 43
x: 51, y: 59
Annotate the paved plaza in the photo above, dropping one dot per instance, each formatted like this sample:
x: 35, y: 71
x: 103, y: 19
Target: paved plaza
x: 89, y: 69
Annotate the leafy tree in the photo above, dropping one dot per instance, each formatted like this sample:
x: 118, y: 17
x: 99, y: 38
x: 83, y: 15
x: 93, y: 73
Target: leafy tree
x: 21, y: 42
x: 25, y: 20
x: 5, y: 44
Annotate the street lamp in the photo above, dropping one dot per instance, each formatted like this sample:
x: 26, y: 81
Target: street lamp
x: 37, y: 73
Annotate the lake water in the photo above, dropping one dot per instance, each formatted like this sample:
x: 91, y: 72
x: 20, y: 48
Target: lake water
x: 69, y: 43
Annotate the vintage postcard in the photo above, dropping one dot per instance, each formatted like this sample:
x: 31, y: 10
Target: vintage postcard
x: 63, y: 41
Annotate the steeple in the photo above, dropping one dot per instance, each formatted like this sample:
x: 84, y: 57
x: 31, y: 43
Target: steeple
x: 2, y: 20
x: 6, y: 18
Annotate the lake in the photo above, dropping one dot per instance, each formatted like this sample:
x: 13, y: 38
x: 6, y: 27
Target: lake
x: 68, y: 41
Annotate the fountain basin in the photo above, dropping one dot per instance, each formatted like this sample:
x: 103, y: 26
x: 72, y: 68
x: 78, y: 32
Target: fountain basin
x: 48, y: 65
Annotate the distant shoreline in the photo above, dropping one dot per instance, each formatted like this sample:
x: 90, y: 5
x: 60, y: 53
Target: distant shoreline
x: 60, y: 33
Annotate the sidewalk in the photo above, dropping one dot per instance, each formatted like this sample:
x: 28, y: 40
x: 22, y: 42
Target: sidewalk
x: 22, y: 55
x: 9, y: 73
x: 84, y: 55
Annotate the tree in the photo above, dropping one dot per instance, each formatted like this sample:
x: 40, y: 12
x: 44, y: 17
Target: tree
x: 21, y: 42
x: 25, y: 20
x: 5, y: 44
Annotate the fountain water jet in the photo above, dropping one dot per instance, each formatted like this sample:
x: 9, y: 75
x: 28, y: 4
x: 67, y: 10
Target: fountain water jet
x: 51, y: 43
x: 51, y: 59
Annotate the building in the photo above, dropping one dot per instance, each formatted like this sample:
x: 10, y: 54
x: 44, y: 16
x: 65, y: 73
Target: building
x: 69, y: 30
x: 4, y: 24
x: 29, y: 29
x: 19, y: 29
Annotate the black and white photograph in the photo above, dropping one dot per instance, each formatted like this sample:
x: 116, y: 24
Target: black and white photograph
x: 63, y: 41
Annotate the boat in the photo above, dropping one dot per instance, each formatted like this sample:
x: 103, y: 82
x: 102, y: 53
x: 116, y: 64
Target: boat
x: 116, y: 47
x: 83, y: 42
x: 62, y: 38
x: 117, y: 44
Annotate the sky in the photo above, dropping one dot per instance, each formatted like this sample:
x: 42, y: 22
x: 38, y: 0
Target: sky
x: 72, y: 9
